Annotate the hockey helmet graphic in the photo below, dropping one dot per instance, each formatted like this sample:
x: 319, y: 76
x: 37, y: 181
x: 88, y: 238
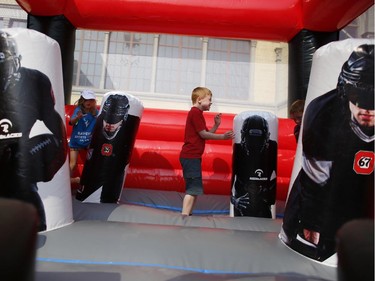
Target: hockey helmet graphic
x: 356, y: 80
x: 254, y: 134
x: 9, y: 59
x: 115, y: 109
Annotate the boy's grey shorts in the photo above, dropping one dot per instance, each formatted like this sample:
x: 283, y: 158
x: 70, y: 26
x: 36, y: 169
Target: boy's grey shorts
x: 192, y: 172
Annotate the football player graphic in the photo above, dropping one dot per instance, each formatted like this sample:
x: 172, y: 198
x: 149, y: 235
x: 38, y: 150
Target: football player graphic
x: 110, y: 150
x: 336, y: 181
x: 254, y: 170
x: 26, y: 156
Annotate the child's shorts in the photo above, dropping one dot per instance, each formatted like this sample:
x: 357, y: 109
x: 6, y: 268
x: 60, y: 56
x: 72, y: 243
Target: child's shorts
x: 76, y: 146
x: 192, y: 172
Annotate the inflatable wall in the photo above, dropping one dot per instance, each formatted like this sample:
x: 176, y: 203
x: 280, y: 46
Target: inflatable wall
x: 333, y: 175
x: 154, y: 164
x: 110, y: 149
x: 33, y: 142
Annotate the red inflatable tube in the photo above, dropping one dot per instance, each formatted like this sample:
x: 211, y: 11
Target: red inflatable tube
x: 246, y: 19
x: 328, y: 16
x: 234, y: 19
x: 155, y: 160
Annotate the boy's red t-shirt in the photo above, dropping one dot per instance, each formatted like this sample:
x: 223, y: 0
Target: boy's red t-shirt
x: 193, y: 146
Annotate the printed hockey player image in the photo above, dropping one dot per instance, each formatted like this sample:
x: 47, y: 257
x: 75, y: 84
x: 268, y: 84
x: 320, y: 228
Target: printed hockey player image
x: 336, y: 182
x: 26, y: 155
x: 110, y: 150
x: 254, y: 170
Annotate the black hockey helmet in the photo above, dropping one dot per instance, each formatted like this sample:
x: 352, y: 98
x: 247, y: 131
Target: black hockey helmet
x: 356, y: 80
x: 254, y: 134
x: 115, y: 108
x: 9, y: 58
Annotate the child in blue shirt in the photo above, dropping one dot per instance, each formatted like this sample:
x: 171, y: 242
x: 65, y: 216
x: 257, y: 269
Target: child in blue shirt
x: 83, y: 121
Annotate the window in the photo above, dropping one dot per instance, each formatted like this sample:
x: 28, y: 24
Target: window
x: 228, y: 68
x: 88, y: 58
x: 179, y: 64
x: 129, y: 62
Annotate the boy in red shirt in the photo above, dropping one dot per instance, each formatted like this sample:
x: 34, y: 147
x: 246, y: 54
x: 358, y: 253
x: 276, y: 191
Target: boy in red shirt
x: 196, y: 134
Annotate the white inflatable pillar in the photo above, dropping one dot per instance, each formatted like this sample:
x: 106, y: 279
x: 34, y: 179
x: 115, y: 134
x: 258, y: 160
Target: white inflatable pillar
x: 332, y: 178
x: 111, y: 147
x: 33, y: 145
x: 254, y: 166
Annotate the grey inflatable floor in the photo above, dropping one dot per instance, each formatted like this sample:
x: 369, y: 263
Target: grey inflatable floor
x: 116, y: 242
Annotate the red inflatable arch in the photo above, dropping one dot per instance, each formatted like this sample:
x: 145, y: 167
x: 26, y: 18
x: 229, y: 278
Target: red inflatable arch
x: 268, y: 20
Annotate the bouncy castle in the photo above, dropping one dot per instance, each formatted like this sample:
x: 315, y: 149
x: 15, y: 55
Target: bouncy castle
x: 135, y: 231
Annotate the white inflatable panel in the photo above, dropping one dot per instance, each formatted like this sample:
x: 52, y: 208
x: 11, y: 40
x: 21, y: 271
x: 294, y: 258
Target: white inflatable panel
x: 326, y: 67
x: 238, y: 122
x: 43, y: 53
x: 103, y: 174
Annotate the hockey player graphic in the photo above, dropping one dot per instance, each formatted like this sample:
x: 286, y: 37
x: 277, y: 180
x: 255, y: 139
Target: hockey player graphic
x: 336, y: 181
x: 110, y: 150
x: 254, y: 170
x: 27, y: 157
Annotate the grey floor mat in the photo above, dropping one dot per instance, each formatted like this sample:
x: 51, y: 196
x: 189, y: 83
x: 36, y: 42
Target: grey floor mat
x: 123, y: 242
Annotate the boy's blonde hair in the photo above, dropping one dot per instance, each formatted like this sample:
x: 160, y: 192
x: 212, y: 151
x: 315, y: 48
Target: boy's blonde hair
x: 200, y: 92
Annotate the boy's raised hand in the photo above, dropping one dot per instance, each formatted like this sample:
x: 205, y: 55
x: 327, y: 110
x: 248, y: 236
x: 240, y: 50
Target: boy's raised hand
x: 217, y: 119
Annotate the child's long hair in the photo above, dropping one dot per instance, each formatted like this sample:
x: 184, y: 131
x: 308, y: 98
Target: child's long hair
x: 80, y: 102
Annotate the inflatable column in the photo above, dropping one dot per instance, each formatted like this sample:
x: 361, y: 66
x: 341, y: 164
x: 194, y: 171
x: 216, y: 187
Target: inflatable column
x: 254, y: 164
x: 333, y: 175
x: 111, y: 147
x: 33, y: 144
